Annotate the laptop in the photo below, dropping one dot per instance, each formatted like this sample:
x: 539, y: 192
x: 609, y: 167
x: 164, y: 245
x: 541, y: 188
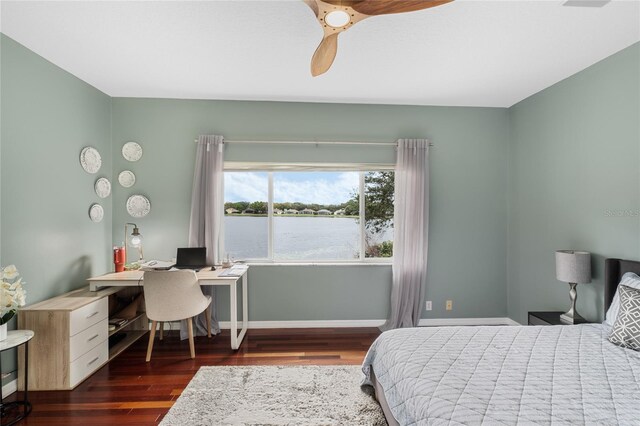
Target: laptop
x: 191, y: 258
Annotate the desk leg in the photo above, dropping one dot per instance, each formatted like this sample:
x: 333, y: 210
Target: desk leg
x: 236, y: 339
x: 245, y: 306
x: 233, y: 301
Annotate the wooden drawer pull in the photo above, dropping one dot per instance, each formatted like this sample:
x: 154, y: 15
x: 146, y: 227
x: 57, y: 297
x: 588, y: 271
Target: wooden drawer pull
x: 93, y: 360
x: 93, y: 314
x: 91, y: 338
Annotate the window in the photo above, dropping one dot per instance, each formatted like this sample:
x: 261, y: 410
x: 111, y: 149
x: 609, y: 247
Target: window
x: 245, y: 221
x: 308, y: 215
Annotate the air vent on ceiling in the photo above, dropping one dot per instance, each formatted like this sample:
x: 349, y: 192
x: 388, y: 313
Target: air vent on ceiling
x: 586, y: 3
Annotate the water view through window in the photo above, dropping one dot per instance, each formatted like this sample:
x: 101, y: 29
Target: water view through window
x: 316, y: 215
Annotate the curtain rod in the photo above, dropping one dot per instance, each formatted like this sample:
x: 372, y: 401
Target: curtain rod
x: 316, y: 143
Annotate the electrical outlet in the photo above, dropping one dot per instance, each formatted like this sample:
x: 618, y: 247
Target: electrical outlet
x: 427, y: 305
x: 449, y: 305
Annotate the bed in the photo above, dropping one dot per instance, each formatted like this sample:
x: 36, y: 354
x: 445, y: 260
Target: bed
x: 561, y: 375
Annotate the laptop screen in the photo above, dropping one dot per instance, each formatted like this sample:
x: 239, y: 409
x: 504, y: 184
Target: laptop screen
x: 192, y: 256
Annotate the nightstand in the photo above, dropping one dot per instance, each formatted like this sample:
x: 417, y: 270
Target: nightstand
x: 546, y: 318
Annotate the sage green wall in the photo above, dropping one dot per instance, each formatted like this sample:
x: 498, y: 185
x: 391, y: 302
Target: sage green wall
x: 561, y: 167
x: 467, y: 243
x: 48, y: 115
x: 582, y: 132
x: 574, y: 183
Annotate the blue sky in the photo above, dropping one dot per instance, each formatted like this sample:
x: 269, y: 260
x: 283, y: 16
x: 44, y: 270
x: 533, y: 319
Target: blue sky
x: 304, y: 187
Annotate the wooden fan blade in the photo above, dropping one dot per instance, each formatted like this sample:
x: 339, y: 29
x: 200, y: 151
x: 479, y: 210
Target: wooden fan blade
x: 384, y: 7
x: 324, y: 55
x: 343, y: 2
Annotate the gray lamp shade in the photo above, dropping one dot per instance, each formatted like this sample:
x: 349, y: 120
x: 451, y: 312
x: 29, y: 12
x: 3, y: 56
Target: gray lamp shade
x: 573, y: 266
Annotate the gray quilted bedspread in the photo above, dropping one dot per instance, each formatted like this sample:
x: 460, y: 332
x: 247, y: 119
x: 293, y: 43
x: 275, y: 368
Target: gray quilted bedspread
x: 560, y: 375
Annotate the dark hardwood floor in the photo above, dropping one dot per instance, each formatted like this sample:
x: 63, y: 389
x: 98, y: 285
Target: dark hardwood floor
x: 129, y: 391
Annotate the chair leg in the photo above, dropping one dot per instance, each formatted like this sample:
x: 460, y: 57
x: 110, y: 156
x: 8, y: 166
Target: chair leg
x: 191, y: 346
x: 207, y: 312
x: 161, y: 330
x: 152, y: 334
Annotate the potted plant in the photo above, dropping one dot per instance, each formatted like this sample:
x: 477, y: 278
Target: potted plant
x: 12, y: 296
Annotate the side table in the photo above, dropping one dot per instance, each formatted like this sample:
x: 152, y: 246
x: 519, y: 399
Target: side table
x: 547, y: 318
x: 14, y: 339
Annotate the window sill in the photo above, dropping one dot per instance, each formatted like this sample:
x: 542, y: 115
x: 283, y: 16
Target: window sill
x: 317, y: 263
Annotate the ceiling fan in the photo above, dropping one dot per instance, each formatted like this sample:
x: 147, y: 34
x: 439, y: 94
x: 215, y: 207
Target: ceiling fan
x: 336, y: 16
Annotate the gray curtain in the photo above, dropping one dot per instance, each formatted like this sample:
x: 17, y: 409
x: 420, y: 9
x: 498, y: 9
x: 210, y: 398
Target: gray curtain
x: 411, y: 226
x: 207, y: 215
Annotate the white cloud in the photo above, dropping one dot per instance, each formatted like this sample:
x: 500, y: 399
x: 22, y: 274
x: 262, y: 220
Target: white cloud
x: 252, y: 186
x: 321, y: 191
x: 245, y: 186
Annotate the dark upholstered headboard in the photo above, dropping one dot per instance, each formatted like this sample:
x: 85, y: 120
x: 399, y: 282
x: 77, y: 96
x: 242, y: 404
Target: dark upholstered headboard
x: 614, y: 269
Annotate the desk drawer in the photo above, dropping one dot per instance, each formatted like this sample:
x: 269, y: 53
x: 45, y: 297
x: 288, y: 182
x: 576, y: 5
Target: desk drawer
x: 88, y: 339
x: 88, y: 363
x: 88, y: 315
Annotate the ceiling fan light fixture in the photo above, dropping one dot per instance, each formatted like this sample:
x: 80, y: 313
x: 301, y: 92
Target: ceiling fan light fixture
x: 337, y: 18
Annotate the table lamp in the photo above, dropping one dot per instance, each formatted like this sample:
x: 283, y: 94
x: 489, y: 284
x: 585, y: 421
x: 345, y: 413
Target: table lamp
x: 573, y: 267
x: 134, y: 240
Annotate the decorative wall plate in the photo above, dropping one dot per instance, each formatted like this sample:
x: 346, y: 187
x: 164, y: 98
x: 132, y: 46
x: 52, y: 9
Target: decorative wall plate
x: 138, y: 206
x: 103, y: 187
x: 127, y: 178
x: 96, y: 213
x: 90, y: 159
x: 131, y: 151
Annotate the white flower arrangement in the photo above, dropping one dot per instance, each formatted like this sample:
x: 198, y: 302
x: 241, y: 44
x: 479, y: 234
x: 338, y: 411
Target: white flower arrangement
x: 12, y: 294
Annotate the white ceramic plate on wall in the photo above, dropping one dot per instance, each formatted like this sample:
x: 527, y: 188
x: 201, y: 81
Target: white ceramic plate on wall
x: 138, y: 206
x: 103, y: 187
x: 132, y: 151
x: 127, y: 178
x: 96, y: 213
x: 90, y: 159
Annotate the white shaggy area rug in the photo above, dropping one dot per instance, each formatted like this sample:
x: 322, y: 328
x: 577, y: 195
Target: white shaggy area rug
x: 276, y: 395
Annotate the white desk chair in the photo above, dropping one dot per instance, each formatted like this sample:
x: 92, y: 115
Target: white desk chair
x: 173, y: 296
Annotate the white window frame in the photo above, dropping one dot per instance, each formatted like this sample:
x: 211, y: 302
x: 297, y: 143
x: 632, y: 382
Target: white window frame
x: 272, y: 168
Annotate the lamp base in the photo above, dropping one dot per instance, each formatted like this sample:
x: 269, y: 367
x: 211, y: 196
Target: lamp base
x: 572, y: 318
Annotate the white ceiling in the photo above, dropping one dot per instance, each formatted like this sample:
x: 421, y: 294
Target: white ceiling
x: 465, y: 53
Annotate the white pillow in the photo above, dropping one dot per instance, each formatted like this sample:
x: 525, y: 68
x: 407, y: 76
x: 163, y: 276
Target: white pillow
x: 630, y: 280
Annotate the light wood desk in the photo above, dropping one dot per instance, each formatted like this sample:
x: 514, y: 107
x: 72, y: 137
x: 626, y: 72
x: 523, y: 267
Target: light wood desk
x: 135, y: 279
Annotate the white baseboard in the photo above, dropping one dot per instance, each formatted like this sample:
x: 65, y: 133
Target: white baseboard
x: 9, y: 388
x: 436, y: 322
x: 373, y: 323
x: 308, y: 324
x: 425, y: 322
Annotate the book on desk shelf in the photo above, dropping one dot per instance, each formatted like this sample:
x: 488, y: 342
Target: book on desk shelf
x: 117, y: 322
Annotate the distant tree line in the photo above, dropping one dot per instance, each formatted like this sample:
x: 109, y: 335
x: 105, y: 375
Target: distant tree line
x: 378, y: 203
x: 351, y: 207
